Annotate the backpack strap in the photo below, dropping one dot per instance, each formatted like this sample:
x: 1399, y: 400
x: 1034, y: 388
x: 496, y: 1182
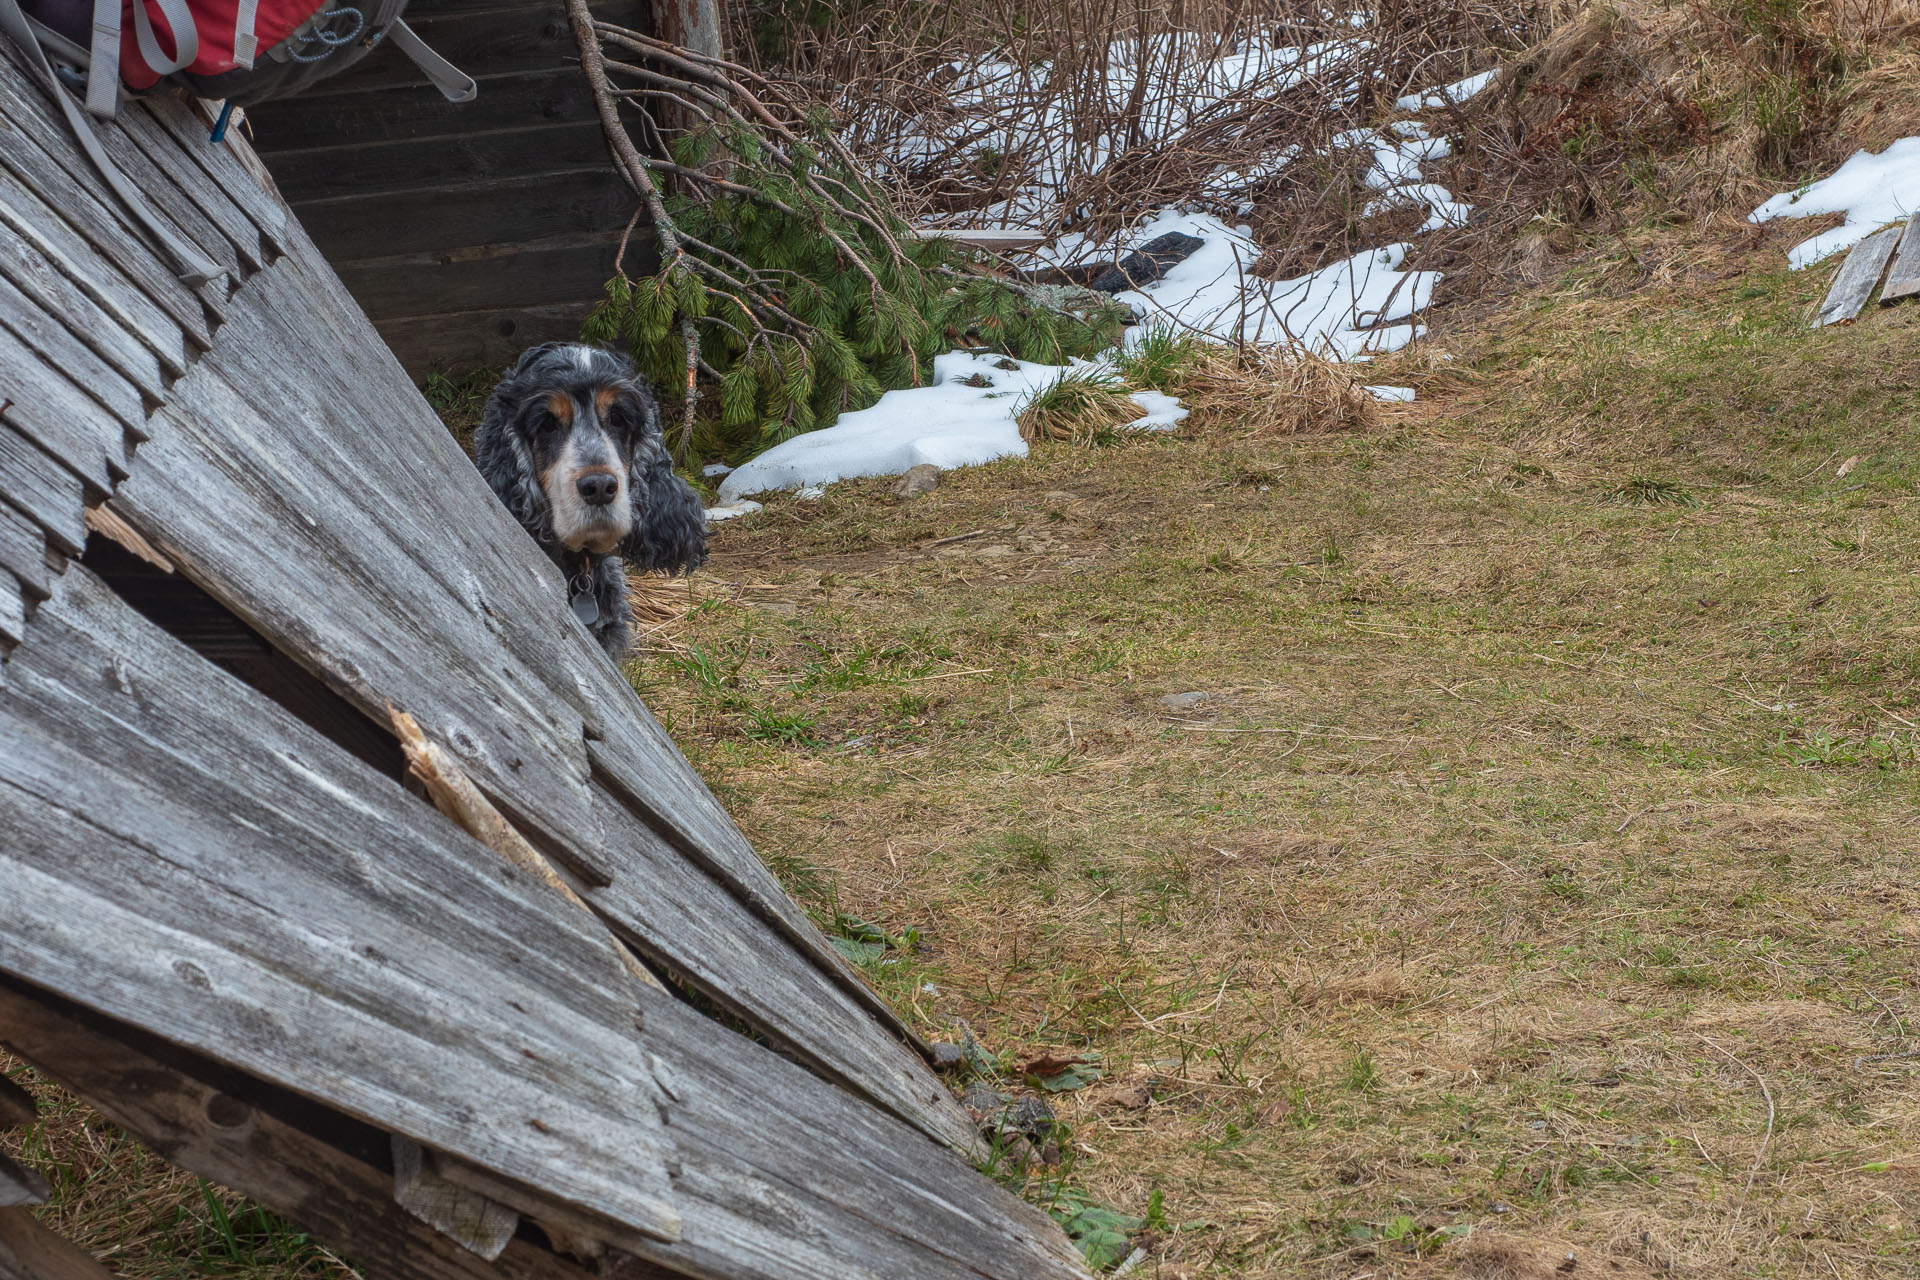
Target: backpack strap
x: 244, y: 41
x: 454, y: 84
x: 103, y: 92
x: 186, y: 259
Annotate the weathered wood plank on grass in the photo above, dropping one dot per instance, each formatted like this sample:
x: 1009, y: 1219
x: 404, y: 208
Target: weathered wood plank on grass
x: 230, y: 901
x: 241, y: 1133
x: 17, y: 1106
x: 20, y: 1185
x: 1858, y: 275
x: 1903, y: 278
x: 30, y: 1251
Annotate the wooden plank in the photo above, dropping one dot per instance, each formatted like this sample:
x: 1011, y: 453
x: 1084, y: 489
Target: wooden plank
x: 469, y: 1219
x: 38, y: 485
x: 242, y: 1133
x: 43, y: 402
x: 224, y: 165
x: 20, y: 1185
x: 72, y: 330
x: 1858, y: 275
x: 30, y: 1251
x: 464, y: 161
x: 484, y: 43
x: 282, y: 130
x: 273, y: 494
x: 34, y: 122
x: 514, y: 209
x: 1903, y: 279
x: 486, y: 338
x: 17, y: 1106
x: 13, y: 610
x: 49, y: 200
x: 177, y: 918
x: 228, y: 902
x: 999, y: 239
x: 137, y: 125
x: 23, y: 550
x: 64, y: 250
x: 564, y: 269
x: 672, y: 914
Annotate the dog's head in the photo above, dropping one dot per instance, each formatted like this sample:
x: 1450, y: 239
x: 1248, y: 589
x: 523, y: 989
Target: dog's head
x: 571, y: 442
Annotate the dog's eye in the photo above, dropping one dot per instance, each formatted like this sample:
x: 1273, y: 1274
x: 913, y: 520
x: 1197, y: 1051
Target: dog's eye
x: 545, y: 423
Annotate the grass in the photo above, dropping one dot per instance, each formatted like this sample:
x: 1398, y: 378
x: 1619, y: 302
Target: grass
x: 1537, y: 874
x: 1552, y: 793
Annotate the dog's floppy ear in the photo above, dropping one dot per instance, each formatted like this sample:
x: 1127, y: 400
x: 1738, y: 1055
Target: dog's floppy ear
x: 669, y: 524
x: 502, y: 458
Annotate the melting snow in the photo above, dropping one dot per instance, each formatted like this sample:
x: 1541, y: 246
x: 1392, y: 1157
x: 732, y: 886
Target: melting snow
x: 1347, y: 310
x: 1872, y: 190
x: 965, y: 418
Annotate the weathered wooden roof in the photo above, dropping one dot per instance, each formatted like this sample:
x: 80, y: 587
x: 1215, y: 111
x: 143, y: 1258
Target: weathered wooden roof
x: 216, y: 882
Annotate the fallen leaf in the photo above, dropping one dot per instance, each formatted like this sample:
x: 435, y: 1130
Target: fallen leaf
x: 1846, y: 467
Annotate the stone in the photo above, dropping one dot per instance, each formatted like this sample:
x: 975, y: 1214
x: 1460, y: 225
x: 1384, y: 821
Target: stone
x: 1148, y: 263
x: 919, y: 480
x: 1184, y: 701
x: 947, y: 1057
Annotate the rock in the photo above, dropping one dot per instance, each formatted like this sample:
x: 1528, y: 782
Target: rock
x: 919, y: 480
x: 1184, y: 701
x: 1147, y: 263
x: 1059, y: 495
x: 947, y: 1057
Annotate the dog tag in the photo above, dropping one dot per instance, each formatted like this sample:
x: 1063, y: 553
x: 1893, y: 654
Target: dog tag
x: 586, y: 608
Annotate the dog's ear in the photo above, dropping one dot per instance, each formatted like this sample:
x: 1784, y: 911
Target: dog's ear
x: 502, y: 458
x: 669, y: 524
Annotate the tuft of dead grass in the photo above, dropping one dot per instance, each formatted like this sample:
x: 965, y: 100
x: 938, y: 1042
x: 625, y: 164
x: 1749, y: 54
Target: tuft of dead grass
x: 659, y: 605
x: 1272, y: 392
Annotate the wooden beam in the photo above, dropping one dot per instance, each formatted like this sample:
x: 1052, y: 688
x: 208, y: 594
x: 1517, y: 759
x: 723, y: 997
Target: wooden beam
x: 31, y: 1251
x: 243, y: 1133
x: 997, y: 239
x: 20, y: 1185
x: 1903, y: 280
x: 1858, y: 275
x: 17, y: 1106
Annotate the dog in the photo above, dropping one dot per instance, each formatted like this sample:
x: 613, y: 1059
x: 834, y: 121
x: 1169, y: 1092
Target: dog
x: 570, y: 440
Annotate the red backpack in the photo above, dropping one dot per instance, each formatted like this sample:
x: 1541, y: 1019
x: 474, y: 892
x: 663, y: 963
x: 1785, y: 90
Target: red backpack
x: 239, y: 51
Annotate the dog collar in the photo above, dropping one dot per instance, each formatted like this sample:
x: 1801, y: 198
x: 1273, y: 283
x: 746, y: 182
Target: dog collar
x: 580, y: 594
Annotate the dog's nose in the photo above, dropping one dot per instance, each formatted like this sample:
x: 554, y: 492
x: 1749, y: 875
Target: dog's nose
x: 598, y: 489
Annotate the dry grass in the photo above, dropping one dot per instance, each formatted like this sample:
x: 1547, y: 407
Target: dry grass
x: 1083, y: 406
x: 1540, y: 861
x: 1273, y: 391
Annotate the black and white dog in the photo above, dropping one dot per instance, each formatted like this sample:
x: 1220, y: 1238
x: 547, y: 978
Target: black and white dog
x: 571, y: 442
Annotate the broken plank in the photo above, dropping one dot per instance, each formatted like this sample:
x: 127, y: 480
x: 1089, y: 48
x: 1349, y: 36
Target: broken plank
x: 20, y: 1185
x: 443, y: 994
x: 243, y: 1133
x: 30, y: 1251
x: 17, y: 1106
x: 1903, y: 279
x: 1858, y: 275
x: 997, y: 239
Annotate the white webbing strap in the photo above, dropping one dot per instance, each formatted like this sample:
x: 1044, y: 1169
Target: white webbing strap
x: 244, y: 42
x: 454, y: 84
x: 103, y: 92
x: 186, y: 259
x: 186, y: 36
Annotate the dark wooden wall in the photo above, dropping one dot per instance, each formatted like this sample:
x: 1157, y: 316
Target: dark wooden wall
x: 465, y: 231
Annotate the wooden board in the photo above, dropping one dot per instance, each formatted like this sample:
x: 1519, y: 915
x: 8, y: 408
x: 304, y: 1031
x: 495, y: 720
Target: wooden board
x: 1857, y: 278
x: 228, y: 900
x: 241, y: 1133
x: 366, y: 228
x: 485, y: 338
x: 534, y: 274
x: 451, y: 164
x: 17, y: 1106
x: 433, y: 988
x: 1903, y: 278
x: 29, y: 1251
x: 516, y: 100
x: 483, y: 42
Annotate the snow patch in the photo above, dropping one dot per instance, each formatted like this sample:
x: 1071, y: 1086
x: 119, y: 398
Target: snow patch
x: 1872, y: 190
x: 1392, y: 395
x: 1448, y: 96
